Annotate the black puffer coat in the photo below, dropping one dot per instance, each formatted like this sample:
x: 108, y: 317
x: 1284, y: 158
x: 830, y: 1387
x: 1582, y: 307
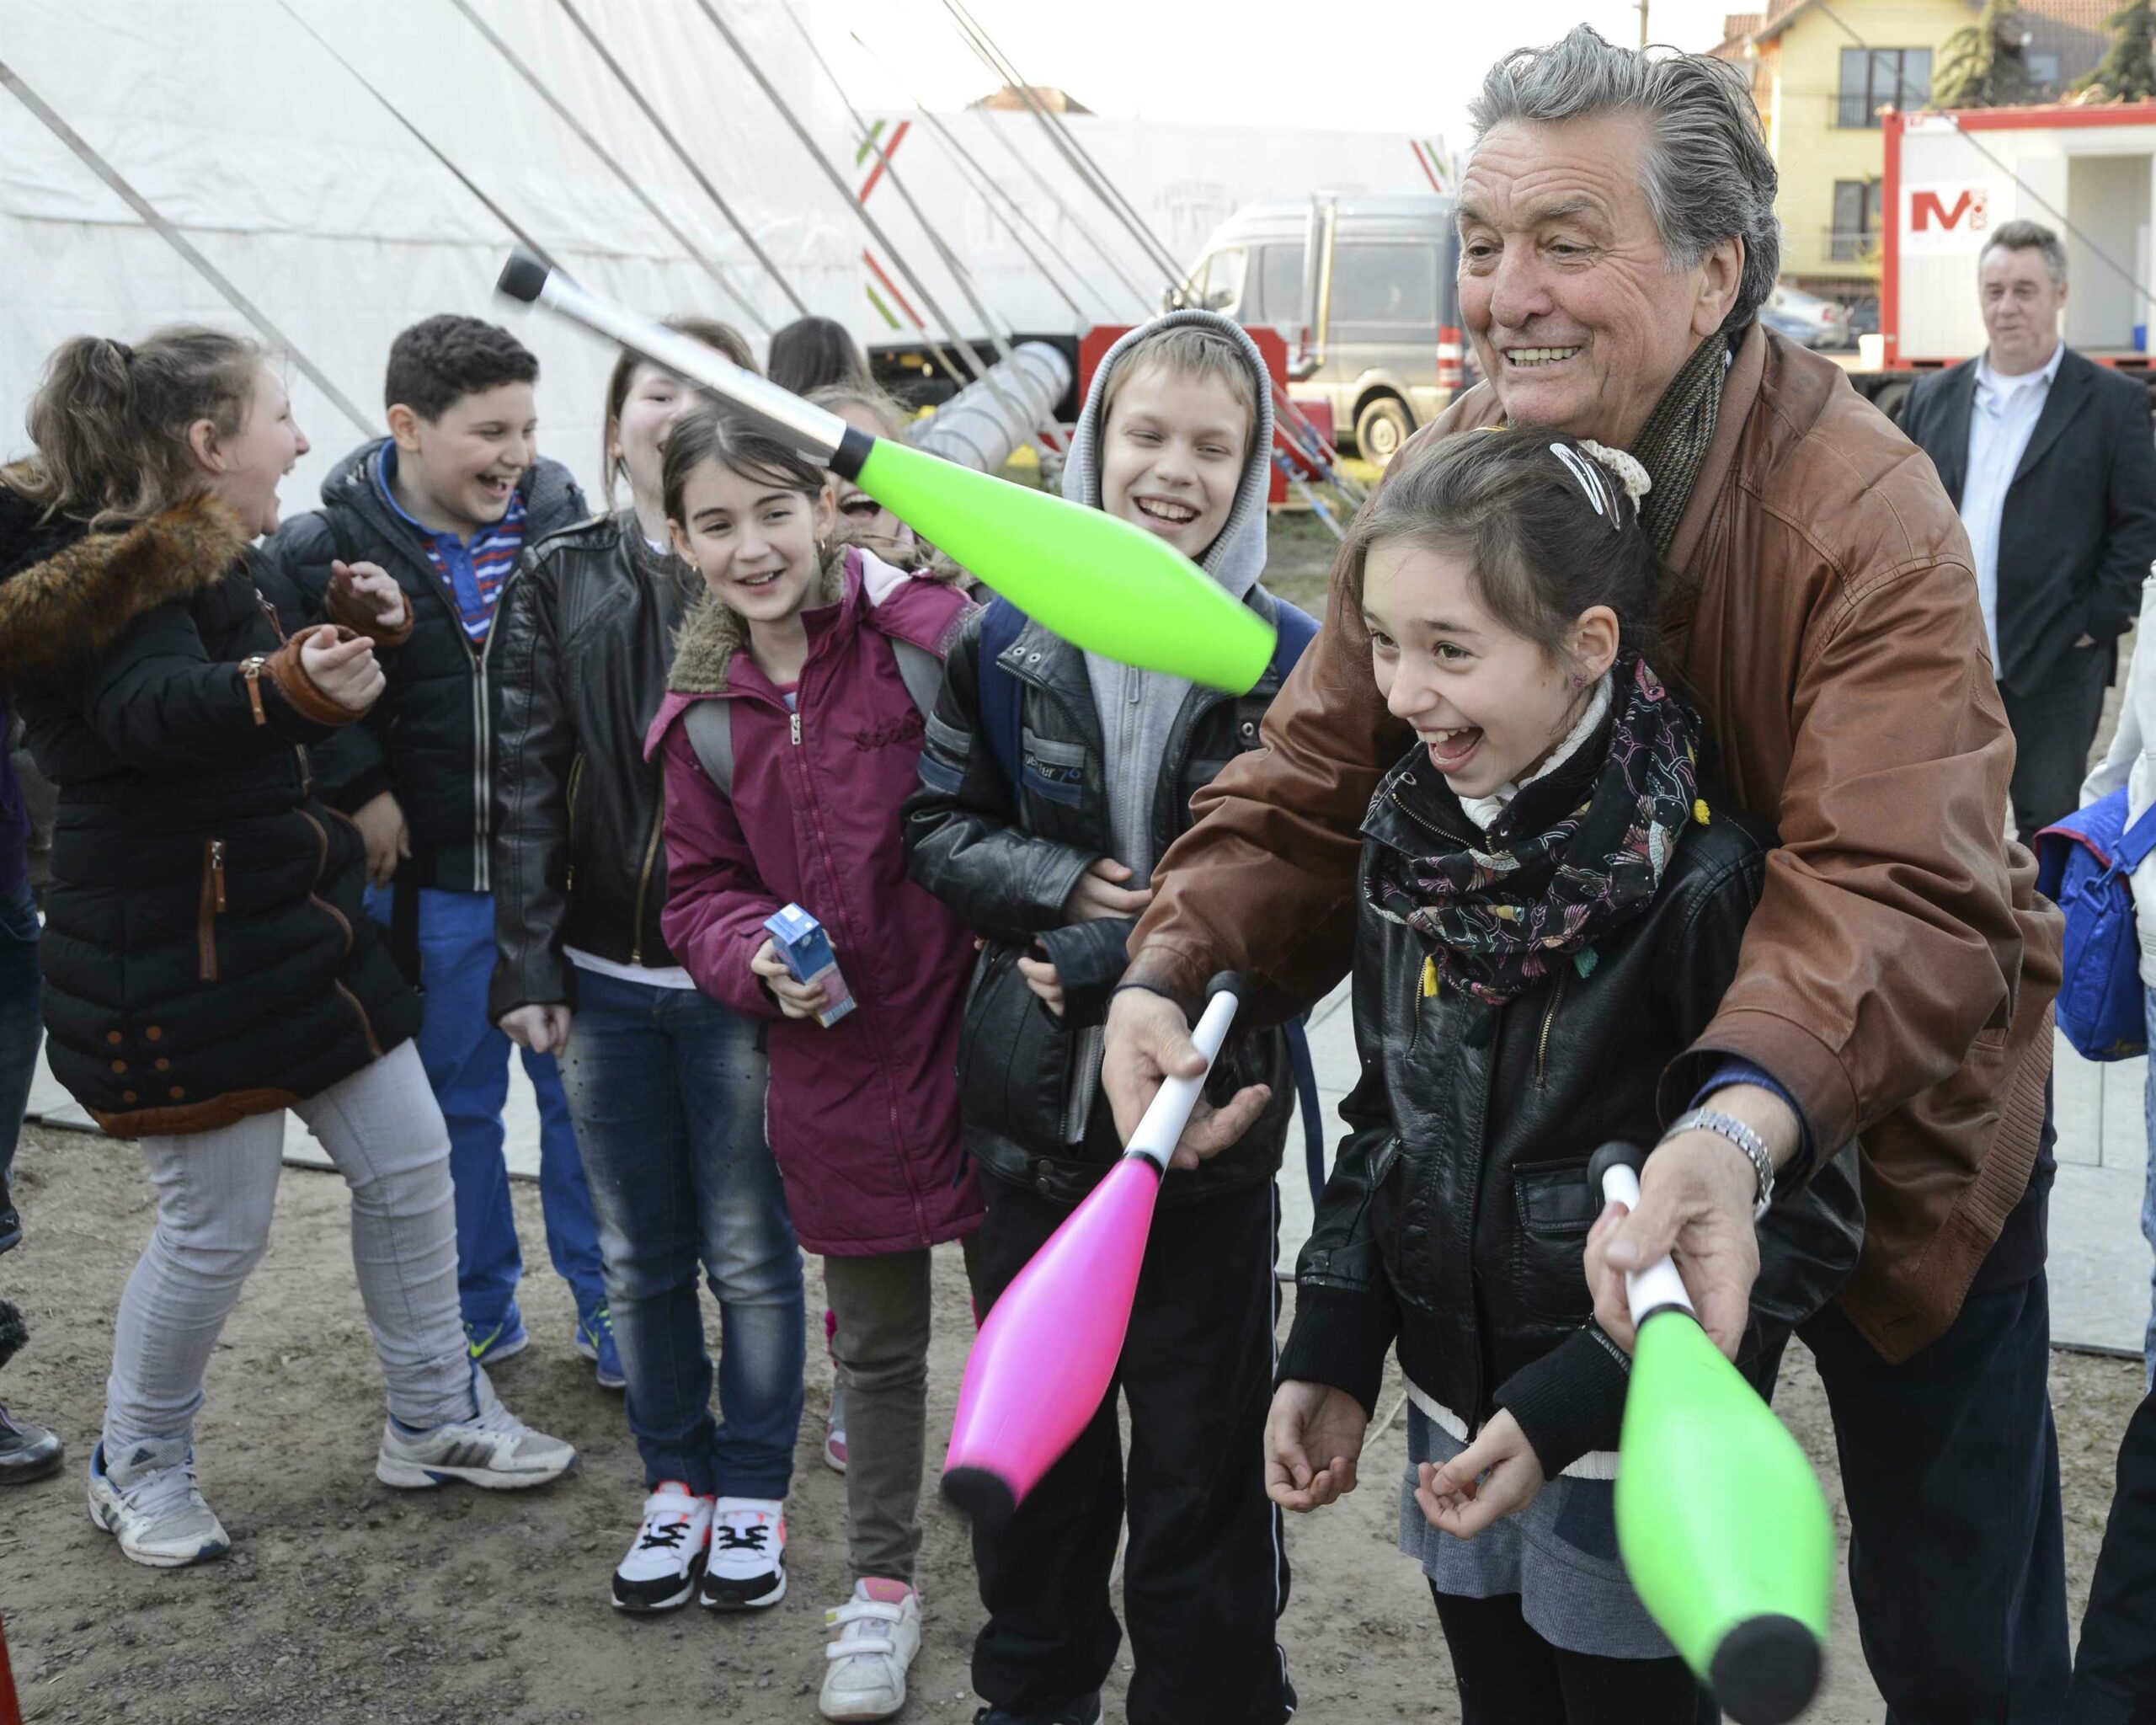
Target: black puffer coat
x: 1456, y: 1221
x: 204, y: 953
x: 431, y: 737
x: 1006, y: 865
x: 583, y: 641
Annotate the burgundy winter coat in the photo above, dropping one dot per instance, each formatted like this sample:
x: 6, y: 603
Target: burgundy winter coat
x: 863, y: 1116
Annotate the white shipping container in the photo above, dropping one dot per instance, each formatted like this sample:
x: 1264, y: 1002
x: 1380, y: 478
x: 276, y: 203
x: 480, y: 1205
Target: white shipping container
x: 1953, y: 180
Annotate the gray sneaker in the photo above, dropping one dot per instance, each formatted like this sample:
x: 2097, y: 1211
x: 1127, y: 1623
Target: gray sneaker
x: 147, y: 1500
x: 493, y: 1449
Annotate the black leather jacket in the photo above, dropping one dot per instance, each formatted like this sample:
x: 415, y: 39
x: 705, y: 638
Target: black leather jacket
x: 1456, y: 1221
x: 1006, y: 865
x: 580, y: 651
x: 433, y: 736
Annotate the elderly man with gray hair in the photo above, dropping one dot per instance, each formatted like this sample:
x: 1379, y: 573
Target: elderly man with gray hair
x: 2052, y: 461
x: 1617, y: 238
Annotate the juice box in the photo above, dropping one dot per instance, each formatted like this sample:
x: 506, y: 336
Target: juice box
x: 807, y: 949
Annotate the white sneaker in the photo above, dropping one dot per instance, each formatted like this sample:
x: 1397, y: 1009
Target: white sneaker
x: 149, y: 1502
x: 661, y: 1569
x: 879, y: 1632
x: 746, y: 1570
x: 493, y: 1449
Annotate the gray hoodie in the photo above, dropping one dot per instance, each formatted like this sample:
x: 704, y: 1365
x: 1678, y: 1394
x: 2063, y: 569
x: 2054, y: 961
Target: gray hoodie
x: 1138, y: 708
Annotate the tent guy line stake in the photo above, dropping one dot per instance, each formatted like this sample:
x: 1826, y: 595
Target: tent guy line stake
x: 612, y: 162
x: 154, y: 219
x: 711, y: 191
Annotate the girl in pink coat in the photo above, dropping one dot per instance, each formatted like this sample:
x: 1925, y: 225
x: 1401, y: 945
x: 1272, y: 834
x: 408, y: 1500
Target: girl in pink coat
x: 807, y: 645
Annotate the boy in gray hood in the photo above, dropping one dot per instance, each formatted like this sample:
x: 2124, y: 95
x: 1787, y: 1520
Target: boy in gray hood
x: 1052, y: 781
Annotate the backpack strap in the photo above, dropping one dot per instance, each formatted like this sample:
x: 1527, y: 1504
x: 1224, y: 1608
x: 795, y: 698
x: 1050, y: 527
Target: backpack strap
x: 1294, y: 629
x: 710, y: 728
x: 923, y: 672
x: 1002, y: 700
x: 2137, y: 841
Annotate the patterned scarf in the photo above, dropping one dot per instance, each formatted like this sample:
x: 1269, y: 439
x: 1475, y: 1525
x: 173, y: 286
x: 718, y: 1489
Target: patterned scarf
x: 1673, y: 442
x: 1500, y: 911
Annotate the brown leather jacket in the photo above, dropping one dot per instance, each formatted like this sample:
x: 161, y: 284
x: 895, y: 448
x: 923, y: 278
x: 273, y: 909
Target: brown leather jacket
x: 1898, y: 975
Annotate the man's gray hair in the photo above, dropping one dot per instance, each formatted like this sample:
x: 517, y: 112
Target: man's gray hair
x: 1707, y: 173
x: 2027, y: 237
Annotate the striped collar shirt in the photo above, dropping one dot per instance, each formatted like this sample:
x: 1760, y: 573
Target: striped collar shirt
x: 472, y: 571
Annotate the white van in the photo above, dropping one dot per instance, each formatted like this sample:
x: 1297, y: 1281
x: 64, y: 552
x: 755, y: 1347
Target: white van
x: 1362, y: 290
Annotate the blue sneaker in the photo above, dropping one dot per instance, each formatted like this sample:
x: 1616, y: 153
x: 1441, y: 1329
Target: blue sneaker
x: 490, y: 1344
x: 595, y: 1341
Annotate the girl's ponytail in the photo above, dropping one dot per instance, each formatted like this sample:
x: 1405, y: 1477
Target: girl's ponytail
x: 109, y: 423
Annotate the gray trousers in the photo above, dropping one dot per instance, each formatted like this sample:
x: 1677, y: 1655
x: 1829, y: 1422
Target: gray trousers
x: 216, y: 1194
x: 882, y: 1305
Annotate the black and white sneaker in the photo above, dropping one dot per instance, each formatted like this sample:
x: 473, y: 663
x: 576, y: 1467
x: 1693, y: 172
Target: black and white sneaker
x: 663, y: 1565
x: 746, y: 1570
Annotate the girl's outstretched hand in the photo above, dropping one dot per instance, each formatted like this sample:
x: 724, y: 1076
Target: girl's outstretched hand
x: 1496, y: 1474
x: 1313, y: 1439
x: 797, y: 1000
x: 344, y: 670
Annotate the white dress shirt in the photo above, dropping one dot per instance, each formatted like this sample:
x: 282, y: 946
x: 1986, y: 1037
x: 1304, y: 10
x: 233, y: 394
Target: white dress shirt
x: 2002, y: 415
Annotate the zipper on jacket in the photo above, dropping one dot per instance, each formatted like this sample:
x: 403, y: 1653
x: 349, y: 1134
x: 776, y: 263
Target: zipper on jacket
x: 794, y: 720
x: 351, y: 999
x: 213, y: 902
x: 644, y: 880
x: 1549, y: 1017
x: 576, y: 781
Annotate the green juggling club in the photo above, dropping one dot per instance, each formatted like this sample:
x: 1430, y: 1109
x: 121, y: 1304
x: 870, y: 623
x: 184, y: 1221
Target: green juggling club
x: 1723, y: 1527
x: 1101, y: 583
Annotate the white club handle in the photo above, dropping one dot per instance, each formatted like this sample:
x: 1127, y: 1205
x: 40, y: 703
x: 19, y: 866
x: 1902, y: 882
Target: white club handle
x: 816, y: 430
x: 1169, y: 1111
x: 1658, y: 1284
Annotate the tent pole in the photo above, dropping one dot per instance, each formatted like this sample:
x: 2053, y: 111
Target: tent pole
x: 606, y: 156
x: 711, y: 191
x: 155, y: 221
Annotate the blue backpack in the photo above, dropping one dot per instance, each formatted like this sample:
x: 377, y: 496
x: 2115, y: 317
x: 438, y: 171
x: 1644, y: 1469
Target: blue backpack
x: 2085, y: 865
x: 1002, y: 717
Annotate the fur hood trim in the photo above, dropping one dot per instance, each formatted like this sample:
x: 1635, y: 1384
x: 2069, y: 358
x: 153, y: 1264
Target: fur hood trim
x: 66, y: 610
x: 713, y: 631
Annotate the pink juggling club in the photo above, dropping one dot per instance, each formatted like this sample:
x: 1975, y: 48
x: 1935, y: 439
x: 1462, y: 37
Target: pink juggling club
x: 1048, y: 1352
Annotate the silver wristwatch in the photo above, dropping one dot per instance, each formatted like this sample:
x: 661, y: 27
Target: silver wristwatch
x: 1738, y: 1134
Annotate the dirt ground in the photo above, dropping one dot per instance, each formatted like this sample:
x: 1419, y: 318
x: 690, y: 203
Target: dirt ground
x: 342, y: 1601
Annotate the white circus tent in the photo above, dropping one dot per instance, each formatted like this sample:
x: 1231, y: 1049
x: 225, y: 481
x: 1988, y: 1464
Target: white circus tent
x: 335, y: 165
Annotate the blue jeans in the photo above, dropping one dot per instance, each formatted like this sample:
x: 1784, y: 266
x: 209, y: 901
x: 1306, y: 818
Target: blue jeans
x: 22, y: 996
x: 667, y: 1088
x: 467, y: 1063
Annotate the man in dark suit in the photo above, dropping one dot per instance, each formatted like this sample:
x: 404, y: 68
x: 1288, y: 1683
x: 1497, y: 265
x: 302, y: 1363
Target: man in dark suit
x: 2052, y: 462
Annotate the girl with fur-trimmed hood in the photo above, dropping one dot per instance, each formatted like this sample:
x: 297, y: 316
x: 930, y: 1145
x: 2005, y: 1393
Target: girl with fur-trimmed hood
x: 804, y: 651
x: 206, y: 964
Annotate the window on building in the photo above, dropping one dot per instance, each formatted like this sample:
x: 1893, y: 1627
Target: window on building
x: 2044, y: 74
x: 1858, y: 214
x: 1873, y: 78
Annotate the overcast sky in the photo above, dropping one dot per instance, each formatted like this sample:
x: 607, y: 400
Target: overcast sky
x: 1381, y: 65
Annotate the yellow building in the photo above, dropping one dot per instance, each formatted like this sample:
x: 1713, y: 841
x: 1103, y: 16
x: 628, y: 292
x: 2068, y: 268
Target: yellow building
x: 1821, y: 73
